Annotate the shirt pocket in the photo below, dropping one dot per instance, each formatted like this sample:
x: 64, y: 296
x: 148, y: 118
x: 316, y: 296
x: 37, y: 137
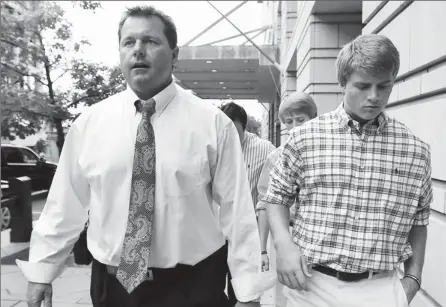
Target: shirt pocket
x: 399, y: 195
x: 181, y: 175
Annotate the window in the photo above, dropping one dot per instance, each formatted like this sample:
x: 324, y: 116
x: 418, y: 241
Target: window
x: 18, y: 155
x: 13, y: 155
x: 28, y: 156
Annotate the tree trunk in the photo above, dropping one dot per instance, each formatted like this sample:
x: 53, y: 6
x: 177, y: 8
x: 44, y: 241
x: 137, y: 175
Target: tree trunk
x: 60, y: 134
x: 56, y: 121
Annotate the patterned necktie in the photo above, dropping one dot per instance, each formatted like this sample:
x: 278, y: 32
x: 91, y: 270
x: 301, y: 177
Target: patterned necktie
x: 134, y: 263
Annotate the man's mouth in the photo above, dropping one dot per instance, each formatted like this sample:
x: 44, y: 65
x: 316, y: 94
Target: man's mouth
x: 140, y: 65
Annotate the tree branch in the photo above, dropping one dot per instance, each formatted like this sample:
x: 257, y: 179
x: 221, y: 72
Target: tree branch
x: 11, y: 43
x: 37, y: 77
x: 77, y: 101
x: 85, y: 97
x: 61, y: 75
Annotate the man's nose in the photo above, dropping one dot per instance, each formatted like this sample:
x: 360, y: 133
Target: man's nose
x: 139, y: 50
x: 373, y: 94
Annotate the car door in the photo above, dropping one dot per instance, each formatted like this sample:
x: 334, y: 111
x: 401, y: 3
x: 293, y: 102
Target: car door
x: 22, y: 162
x: 12, y: 163
x: 34, y: 168
x: 6, y: 169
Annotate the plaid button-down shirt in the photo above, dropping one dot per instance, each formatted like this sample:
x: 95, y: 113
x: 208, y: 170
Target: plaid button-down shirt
x: 360, y: 190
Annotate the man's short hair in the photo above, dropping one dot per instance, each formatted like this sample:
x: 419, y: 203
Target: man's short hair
x: 297, y: 102
x: 370, y: 53
x: 170, y: 30
x: 235, y: 112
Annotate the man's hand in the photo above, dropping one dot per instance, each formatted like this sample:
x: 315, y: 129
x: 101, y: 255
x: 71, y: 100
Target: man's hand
x: 38, y: 293
x: 292, y: 268
x: 265, y: 262
x: 411, y: 288
x: 250, y: 304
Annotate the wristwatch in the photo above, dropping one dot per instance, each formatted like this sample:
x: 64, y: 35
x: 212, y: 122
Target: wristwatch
x: 264, y: 253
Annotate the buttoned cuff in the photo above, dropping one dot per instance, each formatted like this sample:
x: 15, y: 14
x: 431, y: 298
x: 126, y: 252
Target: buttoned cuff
x: 250, y: 287
x: 44, y: 273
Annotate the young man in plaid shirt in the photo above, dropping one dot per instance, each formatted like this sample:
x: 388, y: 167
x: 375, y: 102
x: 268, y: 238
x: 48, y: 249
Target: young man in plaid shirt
x: 363, y: 182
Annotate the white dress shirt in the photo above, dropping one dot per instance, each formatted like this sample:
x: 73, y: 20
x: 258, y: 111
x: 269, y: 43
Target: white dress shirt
x: 198, y: 161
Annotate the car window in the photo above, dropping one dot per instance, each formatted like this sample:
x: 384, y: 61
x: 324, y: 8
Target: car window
x: 13, y: 155
x: 28, y: 156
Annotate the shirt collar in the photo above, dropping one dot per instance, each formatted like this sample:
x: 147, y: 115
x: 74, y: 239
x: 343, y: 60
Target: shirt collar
x: 248, y: 135
x: 346, y: 119
x: 162, y: 99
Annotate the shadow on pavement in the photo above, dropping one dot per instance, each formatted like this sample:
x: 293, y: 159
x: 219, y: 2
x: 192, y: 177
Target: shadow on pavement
x: 10, y: 260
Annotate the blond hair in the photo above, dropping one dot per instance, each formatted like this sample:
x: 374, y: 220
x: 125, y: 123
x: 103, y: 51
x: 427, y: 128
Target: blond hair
x: 368, y: 53
x: 298, y: 102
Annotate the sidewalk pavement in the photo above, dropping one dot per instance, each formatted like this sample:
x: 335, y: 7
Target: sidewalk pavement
x: 71, y: 289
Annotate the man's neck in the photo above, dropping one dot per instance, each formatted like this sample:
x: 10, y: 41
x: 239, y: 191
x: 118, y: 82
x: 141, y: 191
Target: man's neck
x: 150, y: 93
x: 243, y: 137
x: 356, y: 118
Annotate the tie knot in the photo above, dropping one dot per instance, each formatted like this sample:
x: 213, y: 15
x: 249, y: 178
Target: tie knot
x: 148, y: 107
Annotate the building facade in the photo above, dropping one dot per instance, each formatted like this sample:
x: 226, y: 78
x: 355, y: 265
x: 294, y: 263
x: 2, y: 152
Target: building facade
x: 309, y: 36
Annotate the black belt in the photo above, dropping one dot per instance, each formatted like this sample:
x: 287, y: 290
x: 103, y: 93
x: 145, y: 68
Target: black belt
x: 215, y: 262
x: 343, y: 276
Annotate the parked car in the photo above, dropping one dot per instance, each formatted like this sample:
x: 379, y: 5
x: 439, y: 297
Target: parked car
x: 6, y: 210
x: 18, y: 161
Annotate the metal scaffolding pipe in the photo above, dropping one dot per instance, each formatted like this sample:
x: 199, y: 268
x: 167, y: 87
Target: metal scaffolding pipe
x: 234, y: 36
x: 257, y: 34
x: 213, y: 24
x: 246, y: 36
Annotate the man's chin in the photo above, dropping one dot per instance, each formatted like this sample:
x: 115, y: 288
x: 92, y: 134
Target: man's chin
x: 141, y: 80
x: 370, y: 114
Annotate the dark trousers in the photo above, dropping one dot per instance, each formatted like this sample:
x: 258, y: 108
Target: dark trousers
x: 231, y: 294
x: 201, y: 285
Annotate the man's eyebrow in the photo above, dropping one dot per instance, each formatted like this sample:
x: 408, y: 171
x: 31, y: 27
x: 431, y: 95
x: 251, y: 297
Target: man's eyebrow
x: 151, y: 36
x: 387, y: 81
x: 127, y: 37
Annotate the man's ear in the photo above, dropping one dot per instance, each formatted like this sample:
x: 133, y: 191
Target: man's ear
x: 175, y: 53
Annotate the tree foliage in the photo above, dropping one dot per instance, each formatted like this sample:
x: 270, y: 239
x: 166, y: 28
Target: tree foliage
x: 94, y: 82
x: 253, y: 125
x: 37, y: 50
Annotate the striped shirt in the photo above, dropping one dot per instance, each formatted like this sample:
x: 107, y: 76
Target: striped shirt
x: 360, y: 190
x: 262, y: 185
x: 255, y: 151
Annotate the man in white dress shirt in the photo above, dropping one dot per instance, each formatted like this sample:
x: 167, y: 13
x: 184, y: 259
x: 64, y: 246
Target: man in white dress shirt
x: 148, y: 163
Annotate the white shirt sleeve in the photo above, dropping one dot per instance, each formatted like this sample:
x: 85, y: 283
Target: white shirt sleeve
x: 62, y: 219
x: 237, y: 219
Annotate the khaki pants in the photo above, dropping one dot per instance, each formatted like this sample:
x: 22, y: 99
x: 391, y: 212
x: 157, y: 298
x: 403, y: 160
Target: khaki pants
x: 382, y: 290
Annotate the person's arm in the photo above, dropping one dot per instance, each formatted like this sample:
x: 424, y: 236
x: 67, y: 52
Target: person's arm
x: 418, y: 235
x: 237, y: 217
x: 262, y: 188
x: 263, y: 229
x: 417, y: 239
x: 62, y: 219
x: 284, y: 179
x: 284, y: 182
